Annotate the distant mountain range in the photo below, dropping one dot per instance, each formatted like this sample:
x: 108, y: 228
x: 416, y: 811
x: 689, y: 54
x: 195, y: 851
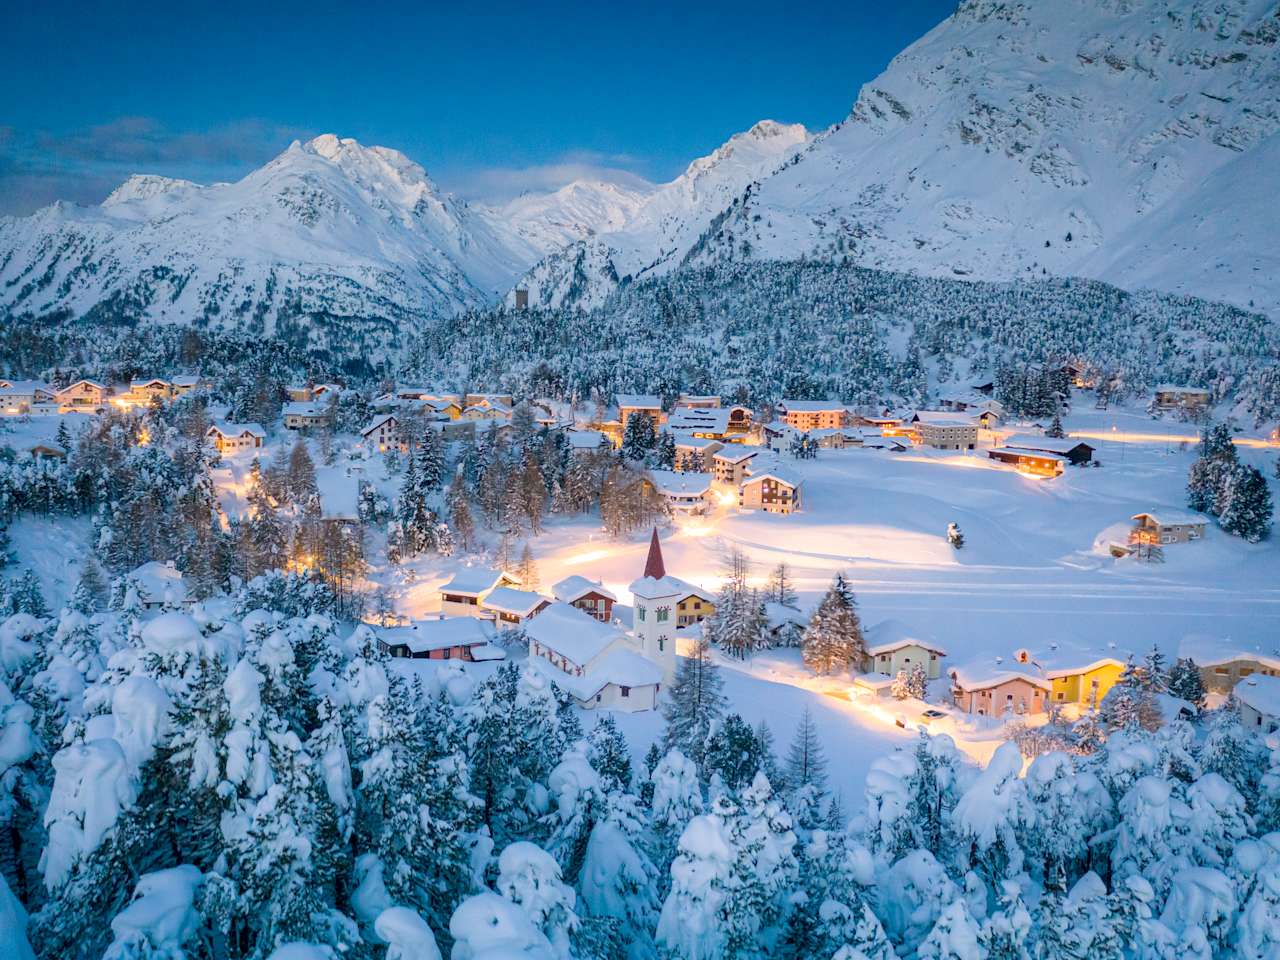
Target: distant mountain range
x: 1132, y: 141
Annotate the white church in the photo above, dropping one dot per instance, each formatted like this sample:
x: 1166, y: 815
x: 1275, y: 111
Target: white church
x: 599, y: 664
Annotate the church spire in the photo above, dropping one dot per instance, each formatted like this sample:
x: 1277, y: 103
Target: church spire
x: 654, y: 567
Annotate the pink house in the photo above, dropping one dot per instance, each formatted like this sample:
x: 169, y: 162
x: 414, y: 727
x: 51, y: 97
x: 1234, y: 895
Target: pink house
x: 999, y: 692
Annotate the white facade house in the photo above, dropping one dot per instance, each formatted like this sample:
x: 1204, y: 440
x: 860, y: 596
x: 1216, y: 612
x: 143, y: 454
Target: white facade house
x: 511, y: 606
x: 944, y: 430
x: 234, y: 437
x: 300, y: 415
x: 381, y: 433
x: 893, y: 647
x: 599, y: 665
x: 687, y: 493
x: 1259, y: 699
x: 464, y: 594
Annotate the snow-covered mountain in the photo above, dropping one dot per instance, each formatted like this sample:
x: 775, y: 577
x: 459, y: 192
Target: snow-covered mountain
x: 659, y: 232
x: 328, y: 227
x: 1133, y: 141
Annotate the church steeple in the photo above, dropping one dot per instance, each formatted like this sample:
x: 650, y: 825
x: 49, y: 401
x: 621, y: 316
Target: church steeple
x: 654, y: 567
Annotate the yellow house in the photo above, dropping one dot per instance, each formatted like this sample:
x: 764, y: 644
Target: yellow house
x: 694, y: 606
x: 1075, y: 677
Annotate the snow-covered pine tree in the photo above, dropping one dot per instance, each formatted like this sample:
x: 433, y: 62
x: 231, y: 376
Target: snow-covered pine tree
x: 694, y: 704
x: 833, y: 641
x: 733, y: 753
x: 638, y: 437
x: 1185, y: 682
x: 610, y: 754
x: 1244, y: 504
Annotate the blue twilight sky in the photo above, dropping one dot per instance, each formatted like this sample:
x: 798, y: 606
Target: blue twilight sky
x: 491, y: 97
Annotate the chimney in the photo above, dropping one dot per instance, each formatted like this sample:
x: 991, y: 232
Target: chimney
x: 653, y: 566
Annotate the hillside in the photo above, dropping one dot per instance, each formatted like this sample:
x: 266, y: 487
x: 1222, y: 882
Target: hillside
x: 1132, y: 141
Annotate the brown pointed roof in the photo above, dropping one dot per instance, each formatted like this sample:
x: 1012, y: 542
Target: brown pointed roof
x: 654, y: 567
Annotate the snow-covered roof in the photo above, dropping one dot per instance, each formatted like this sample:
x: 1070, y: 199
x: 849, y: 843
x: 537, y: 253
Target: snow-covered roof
x: 945, y: 418
x: 1175, y: 388
x: 621, y: 667
x: 518, y: 603
x: 1260, y: 692
x: 779, y: 614
x: 889, y: 635
x: 647, y: 588
x: 811, y: 406
x: 26, y: 386
x: 228, y: 429
x: 422, y: 636
x: 87, y: 382
x: 783, y: 477
x: 1173, y: 518
x: 300, y: 409
x: 735, y: 454
x: 647, y: 401
x: 1026, y: 452
x: 576, y: 587
x: 138, y: 384
x: 1210, y: 651
x: 682, y: 438
x: 983, y: 675
x: 1048, y: 444
x: 339, y: 494
x: 158, y: 582
x: 714, y: 419
x: 672, y: 484
x: 585, y: 439
x: 186, y: 380
x: 572, y: 634
x: 473, y: 581
x: 874, y: 681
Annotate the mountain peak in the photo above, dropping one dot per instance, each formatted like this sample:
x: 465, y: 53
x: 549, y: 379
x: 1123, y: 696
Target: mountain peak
x: 146, y: 186
x: 763, y: 141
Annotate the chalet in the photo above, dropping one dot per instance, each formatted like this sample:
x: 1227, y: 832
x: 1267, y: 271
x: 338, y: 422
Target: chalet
x: 1075, y: 452
x: 298, y: 393
x: 1259, y: 700
x: 597, y: 664
x: 445, y: 407
x: 503, y: 400
x: 647, y: 403
x: 234, y: 437
x: 19, y: 396
x: 486, y: 411
x: 81, y: 394
x: 732, y: 465
x: 463, y: 595
x: 1167, y: 527
x: 383, y: 433
x: 687, y: 493
x: 946, y: 431
x: 813, y: 414
x: 1035, y: 462
x: 893, y: 647
x: 881, y: 423
x: 703, y: 423
x: 694, y: 402
x: 1168, y: 396
x: 186, y: 382
x: 984, y: 387
x: 772, y: 491
x: 582, y: 442
x: 159, y: 586
x: 448, y: 638
x: 146, y: 392
x: 694, y: 455
x: 589, y: 596
x: 299, y: 415
x: 511, y: 607
x: 996, y: 691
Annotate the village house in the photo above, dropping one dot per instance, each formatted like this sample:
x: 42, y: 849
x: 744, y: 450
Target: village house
x: 647, y: 403
x: 159, y: 586
x: 382, y: 433
x: 703, y: 423
x: 1075, y: 452
x: 1259, y: 700
x: 684, y: 493
x: 444, y: 407
x: 805, y: 415
x: 300, y: 415
x: 945, y: 431
x: 511, y: 606
x: 732, y: 465
x: 298, y: 392
x: 1224, y: 663
x: 82, y: 394
x: 1169, y: 396
x: 186, y: 382
x: 1035, y: 462
x: 693, y: 605
x: 583, y: 442
x: 695, y: 402
x: 694, y: 455
x: 893, y: 647
x: 19, y: 396
x: 589, y: 596
x: 996, y: 691
x: 339, y: 494
x: 143, y: 393
x: 464, y: 594
x: 597, y: 664
x: 772, y: 491
x: 486, y: 411
x: 447, y: 638
x: 231, y: 438
x: 1167, y: 527
x: 504, y: 400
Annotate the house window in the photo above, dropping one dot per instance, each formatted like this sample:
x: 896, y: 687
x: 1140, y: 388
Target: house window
x: 1245, y: 671
x: 664, y: 614
x: 1220, y: 671
x: 662, y: 644
x: 640, y: 613
x: 626, y: 691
